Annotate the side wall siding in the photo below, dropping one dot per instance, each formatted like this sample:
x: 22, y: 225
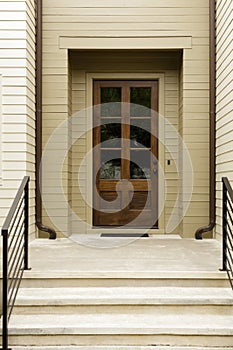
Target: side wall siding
x: 106, y: 18
x: 224, y: 84
x: 17, y: 67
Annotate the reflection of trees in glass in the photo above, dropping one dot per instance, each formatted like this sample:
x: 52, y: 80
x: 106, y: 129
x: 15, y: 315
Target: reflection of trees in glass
x: 136, y: 172
x: 140, y: 164
x: 109, y: 134
x: 111, y: 170
x: 139, y: 137
x: 140, y: 96
x: 110, y: 164
x: 113, y: 96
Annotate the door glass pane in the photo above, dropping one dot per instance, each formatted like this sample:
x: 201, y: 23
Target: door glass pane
x: 110, y: 134
x: 140, y: 99
x: 140, y: 165
x: 110, y: 165
x: 111, y: 100
x: 140, y: 133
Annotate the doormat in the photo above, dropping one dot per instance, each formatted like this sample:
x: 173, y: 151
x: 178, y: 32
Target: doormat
x: 139, y: 235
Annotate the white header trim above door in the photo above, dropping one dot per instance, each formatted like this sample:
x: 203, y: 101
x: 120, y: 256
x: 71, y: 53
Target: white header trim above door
x: 126, y: 43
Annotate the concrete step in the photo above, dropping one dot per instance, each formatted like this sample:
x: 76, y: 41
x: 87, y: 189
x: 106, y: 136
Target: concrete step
x: 159, y: 300
x: 122, y: 329
x: 52, y: 279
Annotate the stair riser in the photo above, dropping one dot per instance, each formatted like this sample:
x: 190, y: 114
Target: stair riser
x: 118, y: 282
x: 133, y: 340
x: 132, y: 309
x: 118, y: 348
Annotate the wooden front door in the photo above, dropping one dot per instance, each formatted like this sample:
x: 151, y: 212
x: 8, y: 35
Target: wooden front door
x: 125, y: 153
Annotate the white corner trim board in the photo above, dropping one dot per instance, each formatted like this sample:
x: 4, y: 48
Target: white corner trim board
x: 0, y: 129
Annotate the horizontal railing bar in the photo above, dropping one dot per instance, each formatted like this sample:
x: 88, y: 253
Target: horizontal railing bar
x: 229, y: 264
x: 15, y: 239
x: 16, y: 290
x: 16, y: 216
x: 228, y: 187
x: 229, y: 261
x: 17, y: 267
x: 230, y: 273
x: 229, y: 243
x: 229, y: 239
x: 10, y: 215
x: 228, y: 268
x: 230, y: 205
x: 229, y: 232
x: 230, y: 279
x: 19, y: 232
x: 230, y: 217
x: 229, y: 200
x: 228, y: 196
x: 13, y: 229
x: 229, y: 246
x: 13, y: 283
x: 13, y: 279
x: 228, y: 250
x: 230, y: 256
x: 19, y: 238
x: 12, y: 262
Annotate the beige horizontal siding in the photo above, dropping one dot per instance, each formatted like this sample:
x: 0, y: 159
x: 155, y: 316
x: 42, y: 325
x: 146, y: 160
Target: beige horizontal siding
x: 17, y: 66
x: 189, y: 113
x: 224, y: 99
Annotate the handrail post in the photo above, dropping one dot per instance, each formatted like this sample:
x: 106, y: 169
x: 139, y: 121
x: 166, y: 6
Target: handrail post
x: 5, y: 291
x: 26, y: 224
x: 224, y: 227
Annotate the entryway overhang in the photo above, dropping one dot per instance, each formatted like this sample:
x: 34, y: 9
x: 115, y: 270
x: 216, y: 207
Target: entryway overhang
x: 130, y: 43
x: 167, y: 43
x: 127, y: 43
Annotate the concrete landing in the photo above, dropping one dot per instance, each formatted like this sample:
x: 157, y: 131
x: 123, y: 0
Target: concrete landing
x: 144, y: 255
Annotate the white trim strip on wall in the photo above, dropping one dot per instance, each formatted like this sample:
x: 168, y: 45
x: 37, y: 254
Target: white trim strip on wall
x: 0, y: 129
x: 133, y: 43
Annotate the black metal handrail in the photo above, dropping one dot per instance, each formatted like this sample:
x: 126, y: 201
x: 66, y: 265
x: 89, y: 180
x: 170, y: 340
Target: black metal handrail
x: 227, y: 229
x: 14, y: 253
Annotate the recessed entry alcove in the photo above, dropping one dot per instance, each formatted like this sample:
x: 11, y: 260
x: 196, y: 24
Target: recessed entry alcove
x: 157, y: 71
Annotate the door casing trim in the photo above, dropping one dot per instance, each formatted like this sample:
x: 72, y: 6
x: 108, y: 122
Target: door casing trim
x: 161, y: 127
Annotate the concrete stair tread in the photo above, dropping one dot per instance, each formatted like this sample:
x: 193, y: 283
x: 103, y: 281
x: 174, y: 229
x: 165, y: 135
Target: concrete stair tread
x: 124, y: 295
x: 121, y: 324
x: 123, y: 273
